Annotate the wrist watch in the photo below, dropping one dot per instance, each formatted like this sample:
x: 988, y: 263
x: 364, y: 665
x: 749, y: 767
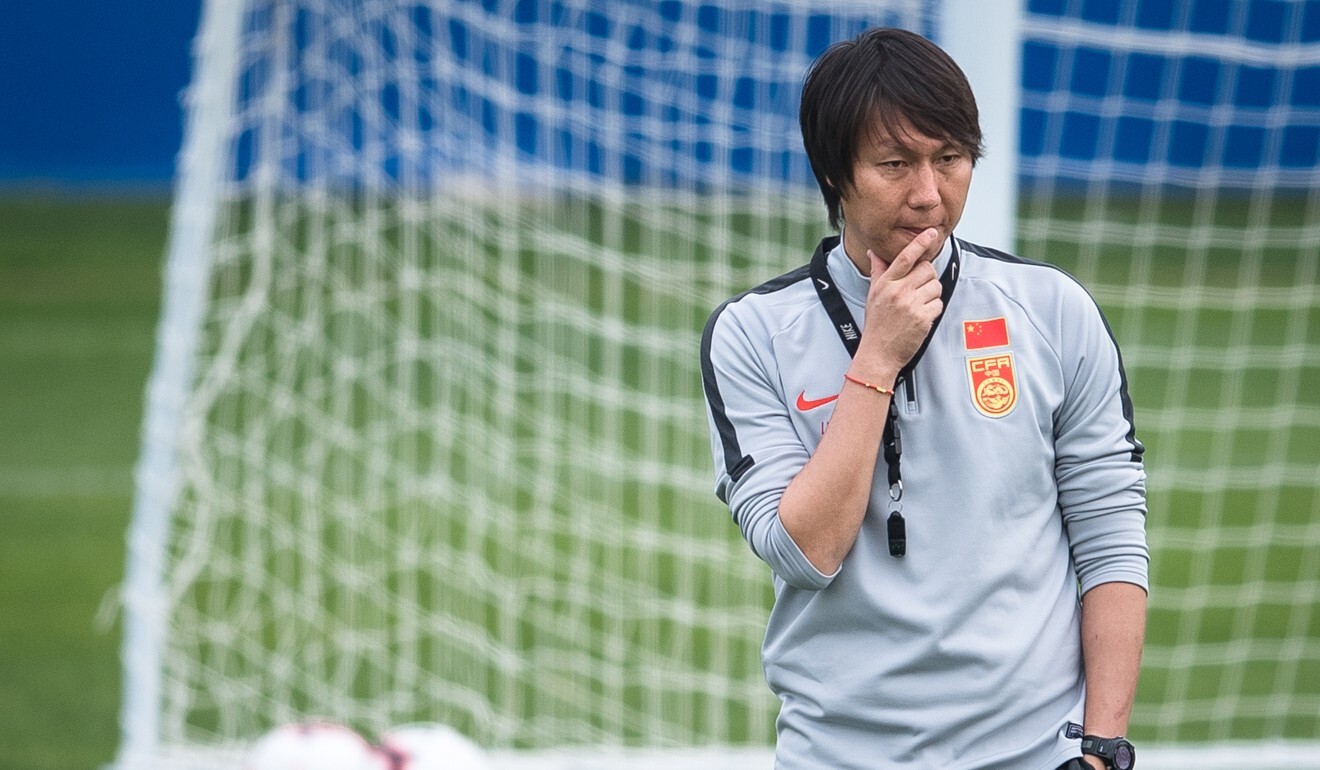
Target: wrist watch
x: 1117, y: 753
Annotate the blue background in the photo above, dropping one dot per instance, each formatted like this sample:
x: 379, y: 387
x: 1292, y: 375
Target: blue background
x: 90, y: 90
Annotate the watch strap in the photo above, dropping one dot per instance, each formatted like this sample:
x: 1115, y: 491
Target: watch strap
x: 1117, y: 753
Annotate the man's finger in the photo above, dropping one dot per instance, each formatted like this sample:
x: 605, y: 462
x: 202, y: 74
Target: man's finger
x: 907, y: 257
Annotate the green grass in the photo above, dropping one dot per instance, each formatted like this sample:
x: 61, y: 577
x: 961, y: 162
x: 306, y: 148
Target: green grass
x: 79, y: 292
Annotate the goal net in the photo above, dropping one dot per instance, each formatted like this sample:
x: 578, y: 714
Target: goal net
x: 425, y: 440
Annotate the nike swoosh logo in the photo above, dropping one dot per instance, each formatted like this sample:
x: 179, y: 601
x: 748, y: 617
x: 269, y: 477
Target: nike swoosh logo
x: 805, y: 404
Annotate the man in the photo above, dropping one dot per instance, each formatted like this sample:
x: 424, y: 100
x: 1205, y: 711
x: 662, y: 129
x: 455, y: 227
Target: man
x: 959, y: 560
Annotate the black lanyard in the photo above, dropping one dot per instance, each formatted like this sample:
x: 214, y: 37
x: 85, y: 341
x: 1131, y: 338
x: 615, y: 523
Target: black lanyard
x: 850, y: 334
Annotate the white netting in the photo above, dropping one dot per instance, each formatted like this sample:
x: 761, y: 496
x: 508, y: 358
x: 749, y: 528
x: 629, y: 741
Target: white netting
x: 1170, y: 160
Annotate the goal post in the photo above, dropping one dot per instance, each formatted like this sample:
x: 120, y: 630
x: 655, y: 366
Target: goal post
x: 424, y: 437
x: 985, y: 39
x: 201, y: 176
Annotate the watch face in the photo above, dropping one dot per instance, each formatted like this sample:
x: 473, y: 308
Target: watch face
x: 1124, y: 756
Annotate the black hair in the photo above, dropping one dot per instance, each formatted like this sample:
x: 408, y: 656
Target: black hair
x: 889, y: 75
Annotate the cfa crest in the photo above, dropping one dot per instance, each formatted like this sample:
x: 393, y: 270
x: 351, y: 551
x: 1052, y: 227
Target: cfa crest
x: 993, y: 383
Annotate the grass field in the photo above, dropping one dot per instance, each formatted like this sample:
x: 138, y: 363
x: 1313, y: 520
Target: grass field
x: 79, y: 294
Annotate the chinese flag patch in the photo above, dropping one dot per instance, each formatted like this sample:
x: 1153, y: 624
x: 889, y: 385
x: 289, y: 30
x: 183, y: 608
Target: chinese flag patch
x: 992, y: 333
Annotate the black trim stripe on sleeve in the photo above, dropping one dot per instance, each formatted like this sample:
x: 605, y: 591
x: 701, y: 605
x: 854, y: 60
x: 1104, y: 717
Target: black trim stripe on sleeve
x: 1129, y: 413
x: 735, y: 462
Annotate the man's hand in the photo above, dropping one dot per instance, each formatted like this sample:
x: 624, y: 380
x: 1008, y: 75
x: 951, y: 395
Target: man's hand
x: 902, y: 305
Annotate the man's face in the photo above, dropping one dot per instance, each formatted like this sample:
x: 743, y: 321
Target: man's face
x: 902, y: 186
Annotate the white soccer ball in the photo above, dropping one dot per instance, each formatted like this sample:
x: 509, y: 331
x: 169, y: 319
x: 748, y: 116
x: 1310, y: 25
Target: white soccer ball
x: 314, y: 746
x: 432, y: 747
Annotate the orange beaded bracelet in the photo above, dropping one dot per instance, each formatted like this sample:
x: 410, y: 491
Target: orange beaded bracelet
x: 865, y: 384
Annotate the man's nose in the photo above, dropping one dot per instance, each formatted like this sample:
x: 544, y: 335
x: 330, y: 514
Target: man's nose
x: 925, y: 191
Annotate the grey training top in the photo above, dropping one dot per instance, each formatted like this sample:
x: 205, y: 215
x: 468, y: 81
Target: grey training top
x: 1022, y: 484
